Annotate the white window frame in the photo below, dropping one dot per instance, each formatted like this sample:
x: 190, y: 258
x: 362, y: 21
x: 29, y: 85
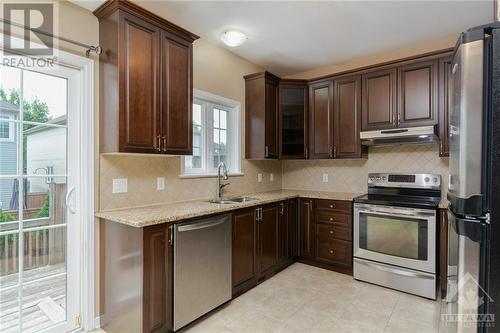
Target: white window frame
x: 85, y: 201
x: 9, y: 119
x: 209, y: 100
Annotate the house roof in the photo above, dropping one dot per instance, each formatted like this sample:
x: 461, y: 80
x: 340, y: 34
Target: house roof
x: 61, y: 120
x: 6, y: 106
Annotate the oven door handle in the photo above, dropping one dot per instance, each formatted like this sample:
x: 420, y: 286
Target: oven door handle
x: 396, y: 213
x: 395, y: 271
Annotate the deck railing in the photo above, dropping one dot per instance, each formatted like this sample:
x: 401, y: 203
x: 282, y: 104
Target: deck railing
x: 44, y: 242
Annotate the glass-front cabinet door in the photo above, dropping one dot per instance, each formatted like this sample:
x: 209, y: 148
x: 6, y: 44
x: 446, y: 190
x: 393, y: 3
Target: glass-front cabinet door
x: 293, y: 119
x: 396, y: 235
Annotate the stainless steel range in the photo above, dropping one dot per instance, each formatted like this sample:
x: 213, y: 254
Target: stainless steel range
x: 395, y: 232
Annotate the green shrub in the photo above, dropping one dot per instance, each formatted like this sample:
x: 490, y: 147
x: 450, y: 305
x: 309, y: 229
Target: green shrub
x: 6, y: 217
x: 44, y: 211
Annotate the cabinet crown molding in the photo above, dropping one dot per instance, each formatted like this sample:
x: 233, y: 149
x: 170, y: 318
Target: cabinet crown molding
x: 111, y: 6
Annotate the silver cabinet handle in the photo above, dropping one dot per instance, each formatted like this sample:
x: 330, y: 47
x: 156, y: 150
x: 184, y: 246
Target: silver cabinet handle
x: 164, y: 143
x: 68, y: 204
x: 158, y: 146
x: 267, y: 151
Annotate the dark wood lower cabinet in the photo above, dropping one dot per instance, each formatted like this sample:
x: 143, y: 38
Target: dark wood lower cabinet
x: 306, y: 228
x: 267, y: 227
x: 244, y: 250
x: 293, y: 229
x: 326, y: 234
x: 283, y: 233
x: 158, y: 281
x: 264, y: 242
x: 138, y: 262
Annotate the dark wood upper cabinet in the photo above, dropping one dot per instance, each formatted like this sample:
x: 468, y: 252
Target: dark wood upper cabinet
x: 321, y: 120
x: 293, y: 119
x: 176, y: 94
x: 158, y: 279
x: 145, y: 82
x: 261, y: 116
x: 140, y: 55
x: 379, y: 100
x: 347, y: 118
x: 418, y: 94
x: 444, y: 105
x: 244, y: 248
x: 268, y: 236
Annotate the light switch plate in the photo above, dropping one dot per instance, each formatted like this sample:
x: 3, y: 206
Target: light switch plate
x: 259, y: 177
x: 325, y: 178
x: 120, y: 185
x: 160, y: 183
x: 271, y: 177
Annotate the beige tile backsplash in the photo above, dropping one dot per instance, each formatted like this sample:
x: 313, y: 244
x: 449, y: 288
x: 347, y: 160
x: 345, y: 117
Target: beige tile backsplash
x: 351, y: 175
x: 344, y: 175
x: 142, y: 170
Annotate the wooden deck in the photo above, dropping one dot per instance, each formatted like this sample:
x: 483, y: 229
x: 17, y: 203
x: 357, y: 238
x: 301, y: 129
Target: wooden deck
x: 44, y: 301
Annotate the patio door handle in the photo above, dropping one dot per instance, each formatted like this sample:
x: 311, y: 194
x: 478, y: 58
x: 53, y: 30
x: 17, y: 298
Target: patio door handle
x: 68, y: 204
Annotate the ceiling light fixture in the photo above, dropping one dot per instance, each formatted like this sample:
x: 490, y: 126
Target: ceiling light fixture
x: 233, y: 38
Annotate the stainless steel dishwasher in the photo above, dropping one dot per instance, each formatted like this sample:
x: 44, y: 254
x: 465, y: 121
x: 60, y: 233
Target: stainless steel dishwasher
x: 202, y: 267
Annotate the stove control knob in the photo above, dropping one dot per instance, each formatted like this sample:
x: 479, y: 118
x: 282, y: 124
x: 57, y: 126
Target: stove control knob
x: 372, y: 178
x: 427, y: 179
x: 435, y: 180
x: 384, y: 178
x: 378, y: 178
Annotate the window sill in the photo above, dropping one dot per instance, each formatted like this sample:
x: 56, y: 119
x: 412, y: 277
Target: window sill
x: 209, y: 175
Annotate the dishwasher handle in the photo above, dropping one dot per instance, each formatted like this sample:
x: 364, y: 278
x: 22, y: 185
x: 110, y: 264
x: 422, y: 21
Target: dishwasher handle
x: 201, y: 225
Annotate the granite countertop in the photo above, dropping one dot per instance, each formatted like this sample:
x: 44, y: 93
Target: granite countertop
x: 173, y: 212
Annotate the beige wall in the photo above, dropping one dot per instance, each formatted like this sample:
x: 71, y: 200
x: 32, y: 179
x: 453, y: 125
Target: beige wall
x: 351, y: 175
x: 217, y: 71
x: 373, y: 59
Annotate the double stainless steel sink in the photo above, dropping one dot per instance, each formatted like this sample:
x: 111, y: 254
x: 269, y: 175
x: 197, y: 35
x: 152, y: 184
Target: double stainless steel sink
x: 232, y: 200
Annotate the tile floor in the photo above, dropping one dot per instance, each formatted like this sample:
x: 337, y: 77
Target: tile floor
x: 303, y: 298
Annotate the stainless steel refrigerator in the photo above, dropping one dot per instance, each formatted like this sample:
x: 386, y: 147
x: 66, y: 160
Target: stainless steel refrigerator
x: 474, y: 184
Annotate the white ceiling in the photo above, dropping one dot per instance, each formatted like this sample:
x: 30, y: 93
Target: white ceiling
x: 287, y: 37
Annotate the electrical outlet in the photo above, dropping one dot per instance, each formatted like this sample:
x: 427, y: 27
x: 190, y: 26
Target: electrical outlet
x: 259, y: 177
x: 160, y: 183
x: 325, y: 178
x: 271, y: 177
x: 120, y: 185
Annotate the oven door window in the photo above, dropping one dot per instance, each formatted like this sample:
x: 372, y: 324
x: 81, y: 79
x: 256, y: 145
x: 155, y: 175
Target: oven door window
x: 395, y: 236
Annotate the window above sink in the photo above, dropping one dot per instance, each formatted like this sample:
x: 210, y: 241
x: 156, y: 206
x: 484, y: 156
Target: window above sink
x: 216, y: 136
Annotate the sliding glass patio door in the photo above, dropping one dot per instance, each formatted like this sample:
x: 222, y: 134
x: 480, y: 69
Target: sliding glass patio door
x: 40, y: 228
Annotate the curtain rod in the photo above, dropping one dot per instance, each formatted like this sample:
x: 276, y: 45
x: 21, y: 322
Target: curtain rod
x: 90, y: 48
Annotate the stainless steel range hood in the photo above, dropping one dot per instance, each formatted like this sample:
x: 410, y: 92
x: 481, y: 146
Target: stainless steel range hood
x: 423, y: 134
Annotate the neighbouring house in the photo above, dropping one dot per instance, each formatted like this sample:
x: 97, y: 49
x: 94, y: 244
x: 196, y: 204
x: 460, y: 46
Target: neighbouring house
x: 46, y: 153
x: 9, y: 150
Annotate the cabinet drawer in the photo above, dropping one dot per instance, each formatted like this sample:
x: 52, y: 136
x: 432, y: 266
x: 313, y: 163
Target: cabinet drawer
x: 335, y: 250
x: 333, y: 231
x: 337, y: 205
x: 323, y: 216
